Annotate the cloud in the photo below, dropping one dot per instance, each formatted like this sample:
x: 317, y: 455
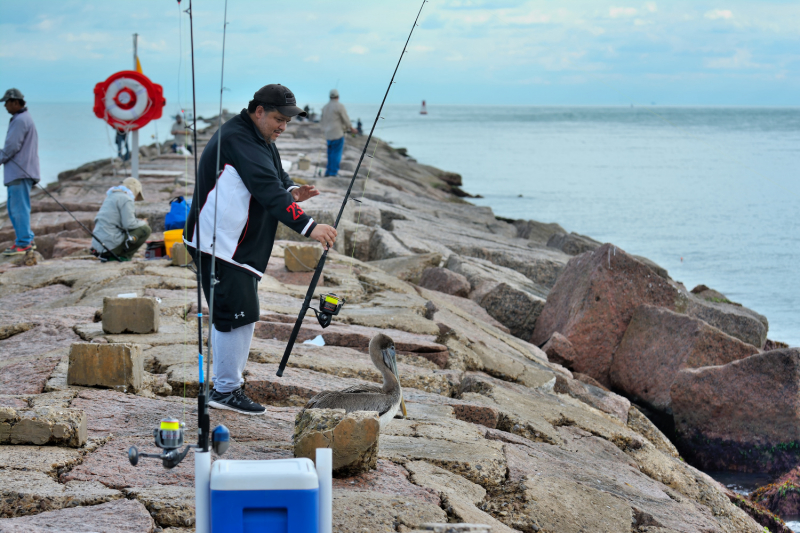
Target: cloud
x: 421, y: 48
x: 311, y: 59
x: 651, y: 7
x: 715, y: 14
x: 358, y: 49
x: 740, y: 60
x: 455, y: 56
x: 45, y: 25
x: 616, y: 12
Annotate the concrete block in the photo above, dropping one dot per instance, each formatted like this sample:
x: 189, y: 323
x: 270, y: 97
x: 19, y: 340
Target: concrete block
x: 113, y: 366
x: 180, y: 256
x: 130, y: 315
x: 301, y: 258
x: 44, y: 425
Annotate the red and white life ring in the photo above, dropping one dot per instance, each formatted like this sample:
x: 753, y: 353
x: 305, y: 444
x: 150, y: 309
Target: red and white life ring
x: 128, y: 100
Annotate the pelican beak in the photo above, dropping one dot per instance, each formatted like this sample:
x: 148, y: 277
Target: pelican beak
x: 390, y: 358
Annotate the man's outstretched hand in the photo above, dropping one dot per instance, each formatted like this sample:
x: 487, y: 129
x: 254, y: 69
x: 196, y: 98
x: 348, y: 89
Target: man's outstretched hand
x: 304, y: 192
x: 325, y: 234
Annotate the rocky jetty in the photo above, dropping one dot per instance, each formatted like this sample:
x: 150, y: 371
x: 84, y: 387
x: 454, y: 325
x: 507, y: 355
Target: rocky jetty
x: 499, y: 431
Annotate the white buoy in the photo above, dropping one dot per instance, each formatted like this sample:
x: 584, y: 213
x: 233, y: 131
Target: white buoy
x: 202, y: 492
x: 324, y: 465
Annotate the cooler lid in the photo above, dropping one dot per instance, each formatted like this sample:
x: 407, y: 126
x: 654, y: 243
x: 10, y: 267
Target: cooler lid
x: 279, y: 474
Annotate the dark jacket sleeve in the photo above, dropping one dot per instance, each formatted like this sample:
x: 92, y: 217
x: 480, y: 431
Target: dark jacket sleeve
x: 267, y: 185
x: 287, y: 181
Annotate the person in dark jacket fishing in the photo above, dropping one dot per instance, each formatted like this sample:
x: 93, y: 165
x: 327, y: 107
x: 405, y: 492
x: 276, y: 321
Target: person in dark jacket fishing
x: 20, y: 156
x: 248, y: 199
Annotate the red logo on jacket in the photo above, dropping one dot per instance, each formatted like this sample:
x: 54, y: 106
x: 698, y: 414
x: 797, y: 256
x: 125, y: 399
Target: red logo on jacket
x: 295, y: 210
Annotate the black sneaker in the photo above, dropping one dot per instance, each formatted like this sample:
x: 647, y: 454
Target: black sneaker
x: 235, y: 401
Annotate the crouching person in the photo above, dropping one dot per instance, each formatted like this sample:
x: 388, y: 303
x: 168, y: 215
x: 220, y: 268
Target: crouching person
x: 116, y: 224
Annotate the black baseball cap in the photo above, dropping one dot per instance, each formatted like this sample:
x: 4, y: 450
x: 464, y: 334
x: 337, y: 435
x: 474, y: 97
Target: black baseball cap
x: 281, y: 97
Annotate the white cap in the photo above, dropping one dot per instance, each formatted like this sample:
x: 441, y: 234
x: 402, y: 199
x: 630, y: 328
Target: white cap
x: 334, y: 93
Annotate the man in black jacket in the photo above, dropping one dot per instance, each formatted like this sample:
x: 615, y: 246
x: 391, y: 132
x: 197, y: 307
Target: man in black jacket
x: 248, y: 199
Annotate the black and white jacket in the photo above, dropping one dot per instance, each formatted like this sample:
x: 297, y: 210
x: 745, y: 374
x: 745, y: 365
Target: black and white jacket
x: 254, y: 195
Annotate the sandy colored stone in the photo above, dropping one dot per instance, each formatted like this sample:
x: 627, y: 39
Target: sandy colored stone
x: 387, y: 478
x: 644, y: 427
x: 31, y: 492
x: 444, y: 280
x: 409, y: 268
x: 357, y: 512
x: 43, y: 425
x: 116, y: 366
x: 170, y: 506
x: 47, y: 459
x: 460, y: 496
x: 130, y: 315
x: 480, y: 462
x: 301, y: 258
x: 121, y: 516
x: 180, y: 256
x: 600, y: 399
x: 353, y: 437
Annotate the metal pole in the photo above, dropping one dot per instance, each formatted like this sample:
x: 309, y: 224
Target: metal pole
x: 135, y: 133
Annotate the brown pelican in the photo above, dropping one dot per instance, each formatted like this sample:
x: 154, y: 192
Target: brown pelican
x: 385, y: 400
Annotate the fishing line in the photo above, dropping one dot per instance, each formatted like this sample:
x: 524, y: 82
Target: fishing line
x: 321, y: 264
x: 717, y: 148
x: 28, y: 176
x: 203, y: 421
x: 213, y: 279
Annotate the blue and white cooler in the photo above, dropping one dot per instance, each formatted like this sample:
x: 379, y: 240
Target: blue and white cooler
x: 280, y: 496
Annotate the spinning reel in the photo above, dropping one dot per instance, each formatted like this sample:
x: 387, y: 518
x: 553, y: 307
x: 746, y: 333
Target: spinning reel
x: 329, y: 306
x: 169, y: 437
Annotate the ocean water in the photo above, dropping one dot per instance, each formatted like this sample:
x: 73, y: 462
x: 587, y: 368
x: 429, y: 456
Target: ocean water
x: 711, y: 194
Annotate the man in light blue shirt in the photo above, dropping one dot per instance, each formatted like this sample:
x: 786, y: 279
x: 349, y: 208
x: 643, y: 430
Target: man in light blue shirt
x: 20, y: 156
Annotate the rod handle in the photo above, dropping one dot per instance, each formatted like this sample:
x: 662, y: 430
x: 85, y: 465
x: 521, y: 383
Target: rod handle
x: 306, y: 306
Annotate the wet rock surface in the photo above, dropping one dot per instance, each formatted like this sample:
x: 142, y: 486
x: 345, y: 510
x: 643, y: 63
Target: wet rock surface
x: 498, y: 432
x: 742, y: 414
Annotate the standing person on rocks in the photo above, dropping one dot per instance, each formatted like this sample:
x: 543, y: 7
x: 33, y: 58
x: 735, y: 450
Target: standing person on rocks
x: 21, y: 159
x: 253, y: 193
x: 116, y: 223
x: 335, y: 122
x: 179, y: 131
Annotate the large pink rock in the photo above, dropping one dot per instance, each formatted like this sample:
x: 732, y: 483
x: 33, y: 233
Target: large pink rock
x: 446, y: 281
x: 741, y: 416
x: 658, y: 343
x: 593, y: 301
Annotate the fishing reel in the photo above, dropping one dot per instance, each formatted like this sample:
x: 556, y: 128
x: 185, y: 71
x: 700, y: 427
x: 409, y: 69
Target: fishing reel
x: 169, y: 437
x: 329, y: 306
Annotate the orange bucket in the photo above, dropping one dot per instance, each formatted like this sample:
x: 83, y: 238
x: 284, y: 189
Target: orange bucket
x: 171, y: 237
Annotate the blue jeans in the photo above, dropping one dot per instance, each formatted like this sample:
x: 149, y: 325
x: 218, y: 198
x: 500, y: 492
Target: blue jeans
x: 19, y: 210
x: 335, y: 148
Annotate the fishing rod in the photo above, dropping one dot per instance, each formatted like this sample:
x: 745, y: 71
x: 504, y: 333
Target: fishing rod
x: 330, y: 304
x: 213, y: 278
x: 169, y: 435
x: 115, y: 256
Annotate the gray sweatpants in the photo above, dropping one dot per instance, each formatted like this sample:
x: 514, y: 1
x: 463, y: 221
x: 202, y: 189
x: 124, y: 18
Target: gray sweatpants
x: 229, y: 354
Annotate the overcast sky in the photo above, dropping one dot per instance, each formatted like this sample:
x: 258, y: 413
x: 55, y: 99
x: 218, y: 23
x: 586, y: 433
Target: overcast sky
x: 464, y: 52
